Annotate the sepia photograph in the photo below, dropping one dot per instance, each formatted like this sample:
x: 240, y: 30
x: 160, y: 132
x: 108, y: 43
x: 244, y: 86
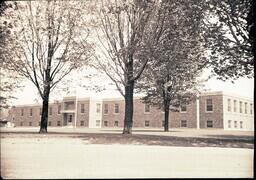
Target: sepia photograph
x: 117, y: 89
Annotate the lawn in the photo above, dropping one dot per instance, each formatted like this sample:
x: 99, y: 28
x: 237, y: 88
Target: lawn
x: 106, y: 153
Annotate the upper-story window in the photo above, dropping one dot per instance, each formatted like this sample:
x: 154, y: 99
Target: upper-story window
x: 116, y: 108
x: 98, y: 108
x: 250, y: 108
x: 31, y: 112
x: 209, y: 105
x: 229, y: 105
x: 146, y: 108
x: 241, y: 107
x: 59, y: 108
x: 22, y: 112
x: 82, y: 110
x: 106, y: 109
x: 183, y: 108
x: 235, y: 105
x: 245, y: 108
x: 50, y: 111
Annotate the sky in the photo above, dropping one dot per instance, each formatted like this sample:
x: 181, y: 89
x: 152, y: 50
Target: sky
x: 28, y: 94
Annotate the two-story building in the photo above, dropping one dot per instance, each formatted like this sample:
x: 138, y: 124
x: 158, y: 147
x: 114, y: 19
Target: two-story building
x: 210, y: 110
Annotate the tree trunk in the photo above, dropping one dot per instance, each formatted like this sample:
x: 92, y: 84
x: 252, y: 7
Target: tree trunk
x: 166, y: 114
x: 128, y: 116
x: 44, y: 115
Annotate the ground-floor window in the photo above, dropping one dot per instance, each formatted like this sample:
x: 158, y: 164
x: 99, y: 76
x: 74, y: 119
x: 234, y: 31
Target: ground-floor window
x: 235, y: 124
x: 105, y: 123
x: 97, y: 122
x: 209, y: 124
x: 21, y: 123
x: 146, y: 123
x: 58, y: 123
x: 116, y: 123
x: 183, y: 123
x: 241, y: 124
x: 81, y: 123
x: 49, y: 123
x: 163, y: 123
x: 30, y: 123
x: 229, y: 123
x: 39, y: 123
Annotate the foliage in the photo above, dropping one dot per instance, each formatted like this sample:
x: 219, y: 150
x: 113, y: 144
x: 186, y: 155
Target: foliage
x: 177, y: 60
x: 227, y: 38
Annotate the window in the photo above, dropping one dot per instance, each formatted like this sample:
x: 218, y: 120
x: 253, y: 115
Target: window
x: 146, y: 123
x: 59, y: 108
x: 39, y: 123
x: 116, y: 108
x: 106, y: 109
x: 209, y: 124
x: 235, y: 105
x: 235, y: 124
x: 183, y: 108
x: 209, y: 106
x: 241, y: 124
x: 183, y: 123
x: 250, y: 108
x: 116, y: 123
x: 98, y: 108
x: 40, y: 111
x: 105, y: 123
x: 163, y: 123
x: 229, y: 105
x: 146, y: 108
x: 30, y: 123
x: 82, y: 108
x: 81, y: 123
x: 229, y: 123
x: 240, y: 107
x: 58, y: 123
x: 21, y: 123
x: 22, y: 112
x: 97, y: 122
x: 31, y: 112
x: 49, y: 123
x: 245, y: 108
x: 50, y: 111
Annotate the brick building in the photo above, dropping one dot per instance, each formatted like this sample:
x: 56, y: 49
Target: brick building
x: 210, y: 110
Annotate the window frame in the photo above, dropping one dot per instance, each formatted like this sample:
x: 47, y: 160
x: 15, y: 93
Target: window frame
x: 206, y: 105
x: 207, y: 124
x: 181, y: 123
x: 82, y: 108
x: 116, y: 105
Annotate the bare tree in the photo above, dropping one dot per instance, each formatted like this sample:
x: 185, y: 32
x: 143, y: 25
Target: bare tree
x: 125, y: 27
x: 49, y: 41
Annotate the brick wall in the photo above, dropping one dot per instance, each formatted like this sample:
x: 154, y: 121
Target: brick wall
x: 216, y: 116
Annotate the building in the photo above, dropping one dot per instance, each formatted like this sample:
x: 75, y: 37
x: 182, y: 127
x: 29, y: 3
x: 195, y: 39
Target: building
x: 210, y: 110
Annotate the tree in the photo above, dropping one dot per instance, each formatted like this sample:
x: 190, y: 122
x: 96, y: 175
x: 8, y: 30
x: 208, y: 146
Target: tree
x: 49, y: 41
x: 227, y: 38
x: 8, y: 80
x: 170, y: 79
x: 125, y: 27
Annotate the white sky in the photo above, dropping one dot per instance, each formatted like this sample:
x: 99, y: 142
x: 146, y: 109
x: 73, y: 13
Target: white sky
x: 28, y: 94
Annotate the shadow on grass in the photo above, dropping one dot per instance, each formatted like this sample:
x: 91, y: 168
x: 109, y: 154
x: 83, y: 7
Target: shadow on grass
x: 137, y: 130
x: 227, y: 141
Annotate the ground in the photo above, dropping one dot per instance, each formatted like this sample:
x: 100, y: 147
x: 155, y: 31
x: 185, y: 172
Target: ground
x: 106, y: 153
